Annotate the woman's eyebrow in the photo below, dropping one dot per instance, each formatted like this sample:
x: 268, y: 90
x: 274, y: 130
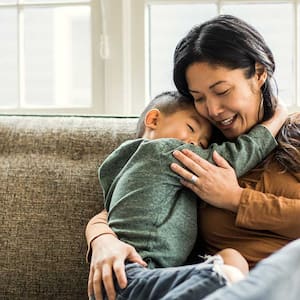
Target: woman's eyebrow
x: 192, y: 91
x: 216, y: 83
x: 210, y: 87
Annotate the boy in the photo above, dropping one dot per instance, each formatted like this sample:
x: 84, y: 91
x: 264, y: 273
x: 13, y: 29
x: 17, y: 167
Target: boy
x: 148, y: 207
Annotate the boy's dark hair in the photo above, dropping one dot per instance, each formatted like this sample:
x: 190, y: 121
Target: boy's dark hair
x: 168, y: 103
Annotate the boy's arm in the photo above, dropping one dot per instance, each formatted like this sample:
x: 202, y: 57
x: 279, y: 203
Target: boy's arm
x: 243, y: 154
x: 248, y: 149
x: 275, y: 123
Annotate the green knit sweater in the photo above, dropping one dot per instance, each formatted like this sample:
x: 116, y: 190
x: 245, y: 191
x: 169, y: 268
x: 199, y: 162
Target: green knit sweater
x: 149, y: 208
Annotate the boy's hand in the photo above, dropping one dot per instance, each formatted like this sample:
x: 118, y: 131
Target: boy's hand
x: 275, y: 123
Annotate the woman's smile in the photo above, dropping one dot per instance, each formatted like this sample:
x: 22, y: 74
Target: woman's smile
x: 225, y: 97
x: 226, y: 123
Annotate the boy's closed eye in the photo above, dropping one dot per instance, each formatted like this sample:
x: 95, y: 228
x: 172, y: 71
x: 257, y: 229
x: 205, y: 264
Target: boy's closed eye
x: 191, y: 128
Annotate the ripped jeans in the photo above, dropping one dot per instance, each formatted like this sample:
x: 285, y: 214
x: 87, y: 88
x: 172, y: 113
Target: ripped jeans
x: 185, y: 282
x: 274, y: 278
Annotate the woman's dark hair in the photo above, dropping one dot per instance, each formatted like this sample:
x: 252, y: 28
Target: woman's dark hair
x: 230, y: 42
x: 287, y: 154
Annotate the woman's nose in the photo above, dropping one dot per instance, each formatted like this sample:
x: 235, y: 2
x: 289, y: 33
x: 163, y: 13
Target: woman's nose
x: 214, y: 107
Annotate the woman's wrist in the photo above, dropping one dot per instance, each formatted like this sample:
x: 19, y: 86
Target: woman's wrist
x: 101, y: 237
x: 235, y: 200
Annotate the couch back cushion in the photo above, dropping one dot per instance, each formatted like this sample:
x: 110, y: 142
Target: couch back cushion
x: 48, y: 191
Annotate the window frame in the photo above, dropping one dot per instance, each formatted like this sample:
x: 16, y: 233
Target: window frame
x: 97, y: 76
x: 120, y: 80
x: 221, y: 3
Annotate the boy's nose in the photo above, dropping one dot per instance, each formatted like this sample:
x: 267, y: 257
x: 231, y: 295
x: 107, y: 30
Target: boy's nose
x: 193, y: 141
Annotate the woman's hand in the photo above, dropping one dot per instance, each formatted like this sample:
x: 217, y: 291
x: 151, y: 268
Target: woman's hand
x: 108, y: 257
x: 215, y: 184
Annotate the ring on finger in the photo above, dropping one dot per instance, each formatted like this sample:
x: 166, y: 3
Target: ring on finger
x: 194, y: 179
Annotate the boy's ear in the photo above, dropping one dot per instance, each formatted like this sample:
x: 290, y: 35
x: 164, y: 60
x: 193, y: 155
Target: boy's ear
x: 261, y: 73
x: 152, y: 118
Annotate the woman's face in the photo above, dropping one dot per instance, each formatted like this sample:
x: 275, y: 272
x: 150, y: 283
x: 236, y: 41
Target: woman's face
x: 225, y: 97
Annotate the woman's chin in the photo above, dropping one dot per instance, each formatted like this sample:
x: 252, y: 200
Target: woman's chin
x: 231, y: 133
x: 235, y: 130
x: 230, y: 137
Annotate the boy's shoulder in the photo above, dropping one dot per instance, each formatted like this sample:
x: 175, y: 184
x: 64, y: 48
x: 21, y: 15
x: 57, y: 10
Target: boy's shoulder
x: 163, y: 142
x: 160, y: 143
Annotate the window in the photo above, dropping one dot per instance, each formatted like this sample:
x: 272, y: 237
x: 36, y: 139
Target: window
x: 277, y: 21
x: 46, y: 55
x: 113, y: 56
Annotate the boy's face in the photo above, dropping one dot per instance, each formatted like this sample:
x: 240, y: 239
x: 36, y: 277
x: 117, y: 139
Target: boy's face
x: 185, y: 125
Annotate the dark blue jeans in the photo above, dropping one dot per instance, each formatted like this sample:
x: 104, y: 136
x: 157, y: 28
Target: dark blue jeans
x: 186, y: 282
x: 274, y: 278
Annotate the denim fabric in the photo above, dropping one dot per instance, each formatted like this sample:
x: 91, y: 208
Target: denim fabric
x: 274, y: 278
x: 186, y: 282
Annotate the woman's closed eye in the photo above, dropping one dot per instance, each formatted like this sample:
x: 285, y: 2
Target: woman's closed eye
x: 221, y: 93
x: 199, y: 99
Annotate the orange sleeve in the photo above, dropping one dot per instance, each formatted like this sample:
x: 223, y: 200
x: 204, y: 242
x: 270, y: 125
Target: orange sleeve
x: 96, y: 227
x: 263, y: 211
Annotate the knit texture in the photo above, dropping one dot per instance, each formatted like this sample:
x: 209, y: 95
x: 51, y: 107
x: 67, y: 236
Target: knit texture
x: 48, y: 191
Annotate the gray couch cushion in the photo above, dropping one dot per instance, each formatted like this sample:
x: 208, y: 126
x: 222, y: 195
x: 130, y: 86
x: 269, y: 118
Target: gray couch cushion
x: 48, y: 191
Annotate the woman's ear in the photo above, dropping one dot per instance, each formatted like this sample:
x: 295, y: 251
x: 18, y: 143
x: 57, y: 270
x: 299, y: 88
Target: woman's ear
x: 152, y: 118
x: 261, y: 74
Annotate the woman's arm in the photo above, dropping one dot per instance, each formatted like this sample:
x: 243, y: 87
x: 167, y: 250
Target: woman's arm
x: 265, y: 211
x: 96, y: 227
x: 212, y: 182
x: 256, y: 210
x: 107, y: 255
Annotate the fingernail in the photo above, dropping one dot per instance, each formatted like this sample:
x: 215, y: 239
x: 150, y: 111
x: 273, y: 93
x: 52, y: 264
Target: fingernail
x: 174, y: 166
x: 91, y: 297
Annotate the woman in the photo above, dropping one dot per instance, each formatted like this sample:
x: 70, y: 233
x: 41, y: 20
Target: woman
x: 215, y: 64
x: 227, y: 69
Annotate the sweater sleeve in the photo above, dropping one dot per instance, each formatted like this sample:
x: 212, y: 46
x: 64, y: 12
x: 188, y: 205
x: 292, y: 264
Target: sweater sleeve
x: 263, y: 211
x: 96, y: 226
x: 245, y: 152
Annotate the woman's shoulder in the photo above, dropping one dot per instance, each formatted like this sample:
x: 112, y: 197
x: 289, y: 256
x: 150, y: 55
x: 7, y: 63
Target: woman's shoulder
x: 279, y: 181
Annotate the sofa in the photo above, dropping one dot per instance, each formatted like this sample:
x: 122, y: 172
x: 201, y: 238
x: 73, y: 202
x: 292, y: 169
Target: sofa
x: 48, y: 192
